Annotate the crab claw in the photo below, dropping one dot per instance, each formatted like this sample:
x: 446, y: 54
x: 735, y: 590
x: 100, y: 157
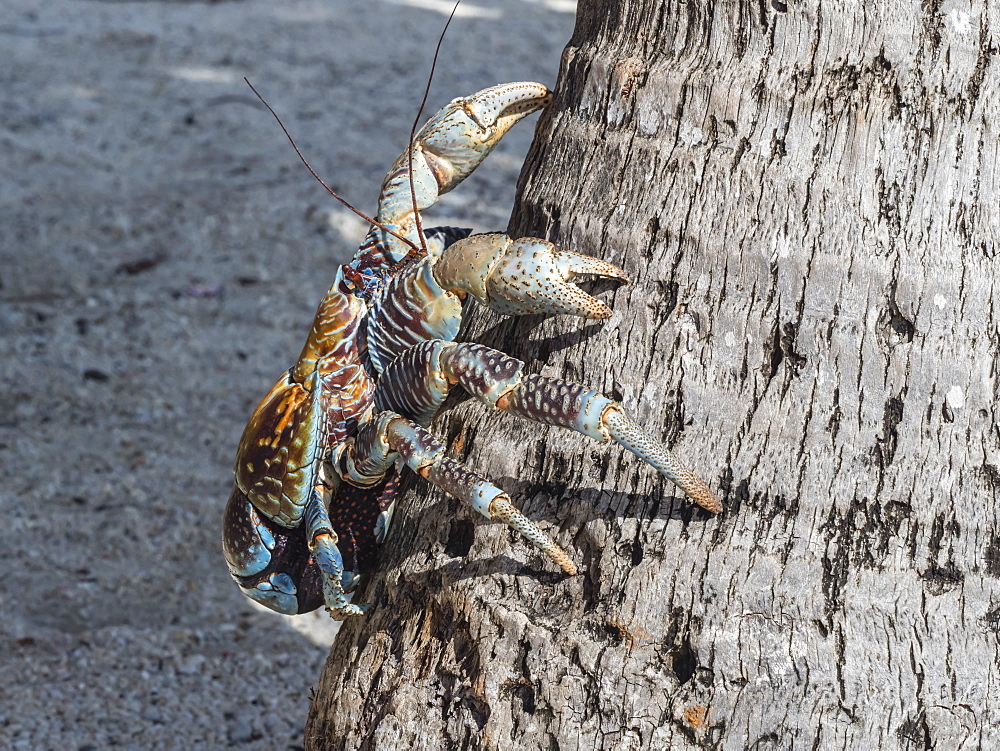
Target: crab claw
x: 465, y: 131
x: 533, y: 277
x: 518, y: 277
x: 452, y: 144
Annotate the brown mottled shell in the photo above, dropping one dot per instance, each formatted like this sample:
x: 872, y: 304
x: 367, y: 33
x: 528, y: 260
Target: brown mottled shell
x: 312, y: 408
x: 280, y: 451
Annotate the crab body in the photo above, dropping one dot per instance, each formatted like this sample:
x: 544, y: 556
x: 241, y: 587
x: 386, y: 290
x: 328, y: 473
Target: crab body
x: 318, y: 466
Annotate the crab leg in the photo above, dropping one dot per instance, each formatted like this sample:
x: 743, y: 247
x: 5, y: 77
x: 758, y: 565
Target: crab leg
x: 390, y: 434
x: 417, y: 382
x: 323, y: 546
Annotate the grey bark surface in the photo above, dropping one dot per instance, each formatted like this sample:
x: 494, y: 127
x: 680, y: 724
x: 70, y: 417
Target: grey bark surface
x: 805, y: 196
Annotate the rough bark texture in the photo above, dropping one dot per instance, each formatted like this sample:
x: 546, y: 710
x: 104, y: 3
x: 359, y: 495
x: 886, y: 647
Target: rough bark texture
x: 806, y: 196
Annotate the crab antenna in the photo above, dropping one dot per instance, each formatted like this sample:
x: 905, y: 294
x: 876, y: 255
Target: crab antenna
x: 413, y: 129
x: 319, y: 179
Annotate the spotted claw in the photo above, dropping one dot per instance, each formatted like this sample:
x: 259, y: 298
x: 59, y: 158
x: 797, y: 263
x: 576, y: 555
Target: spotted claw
x: 534, y: 276
x: 518, y: 277
x: 462, y: 134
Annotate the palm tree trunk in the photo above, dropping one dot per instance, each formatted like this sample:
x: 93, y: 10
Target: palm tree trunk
x: 805, y: 196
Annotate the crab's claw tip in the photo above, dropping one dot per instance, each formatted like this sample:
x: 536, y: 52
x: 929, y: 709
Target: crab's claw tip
x: 534, y: 277
x: 502, y: 106
x: 705, y: 498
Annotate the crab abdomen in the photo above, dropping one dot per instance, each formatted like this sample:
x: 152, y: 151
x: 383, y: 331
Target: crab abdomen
x: 308, y: 412
x: 270, y: 563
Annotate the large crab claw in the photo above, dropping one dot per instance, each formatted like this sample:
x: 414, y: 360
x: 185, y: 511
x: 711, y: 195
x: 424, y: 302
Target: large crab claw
x: 519, y: 277
x: 450, y: 146
x: 464, y: 132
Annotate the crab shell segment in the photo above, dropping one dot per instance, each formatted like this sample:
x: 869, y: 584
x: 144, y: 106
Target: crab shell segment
x: 311, y: 409
x: 280, y: 449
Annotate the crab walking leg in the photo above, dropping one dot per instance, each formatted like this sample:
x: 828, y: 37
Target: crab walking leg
x: 553, y: 401
x: 389, y: 434
x: 498, y: 380
x: 323, y: 546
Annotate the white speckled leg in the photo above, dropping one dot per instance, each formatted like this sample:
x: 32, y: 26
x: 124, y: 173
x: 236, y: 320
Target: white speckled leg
x: 416, y: 384
x: 629, y: 435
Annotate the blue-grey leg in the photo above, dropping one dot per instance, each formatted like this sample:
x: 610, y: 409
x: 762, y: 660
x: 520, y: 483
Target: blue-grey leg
x: 380, y: 440
x: 323, y: 545
x: 416, y: 383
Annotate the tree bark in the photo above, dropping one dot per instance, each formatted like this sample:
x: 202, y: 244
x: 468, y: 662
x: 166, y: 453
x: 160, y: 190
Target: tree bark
x: 805, y: 196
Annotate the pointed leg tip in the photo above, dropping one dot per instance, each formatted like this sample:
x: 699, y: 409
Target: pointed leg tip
x: 712, y: 504
x: 348, y: 611
x: 569, y: 568
x: 705, y: 498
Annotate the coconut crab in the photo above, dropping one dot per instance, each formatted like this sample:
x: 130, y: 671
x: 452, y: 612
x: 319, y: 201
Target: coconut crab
x: 318, y: 465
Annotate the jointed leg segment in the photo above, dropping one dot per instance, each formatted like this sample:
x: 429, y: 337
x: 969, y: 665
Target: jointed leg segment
x: 498, y: 380
x: 323, y: 546
x: 390, y: 434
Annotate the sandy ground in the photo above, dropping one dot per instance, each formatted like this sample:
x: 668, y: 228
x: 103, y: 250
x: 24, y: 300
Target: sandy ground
x: 161, y: 254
